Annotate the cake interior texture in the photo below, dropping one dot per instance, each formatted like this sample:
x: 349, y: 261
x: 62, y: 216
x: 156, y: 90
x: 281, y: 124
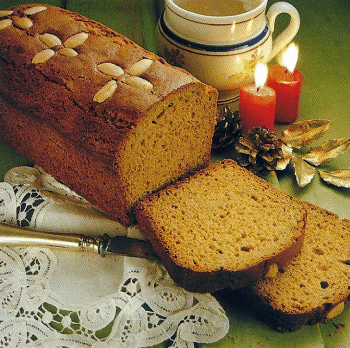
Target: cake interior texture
x: 222, y: 220
x: 167, y: 144
x: 315, y: 285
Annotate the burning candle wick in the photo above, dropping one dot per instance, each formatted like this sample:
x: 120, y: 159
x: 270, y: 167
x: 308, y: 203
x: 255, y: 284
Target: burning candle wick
x: 257, y: 102
x: 290, y: 57
x: 286, y: 81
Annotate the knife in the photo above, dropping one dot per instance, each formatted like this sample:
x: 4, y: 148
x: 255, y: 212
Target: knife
x: 104, y: 245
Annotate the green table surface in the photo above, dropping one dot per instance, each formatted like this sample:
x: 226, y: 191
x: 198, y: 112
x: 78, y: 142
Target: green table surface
x: 324, y: 61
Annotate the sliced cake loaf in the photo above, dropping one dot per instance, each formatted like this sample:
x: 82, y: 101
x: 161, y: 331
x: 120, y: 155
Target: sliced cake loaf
x: 315, y: 286
x: 222, y: 227
x: 102, y: 115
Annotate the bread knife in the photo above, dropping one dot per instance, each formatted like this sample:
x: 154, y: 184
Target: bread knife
x: 11, y: 235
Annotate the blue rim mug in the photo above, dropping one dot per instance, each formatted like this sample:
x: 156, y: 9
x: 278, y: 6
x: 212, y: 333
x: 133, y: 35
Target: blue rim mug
x: 222, y: 51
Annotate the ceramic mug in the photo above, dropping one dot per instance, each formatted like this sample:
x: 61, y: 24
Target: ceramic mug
x: 222, y: 51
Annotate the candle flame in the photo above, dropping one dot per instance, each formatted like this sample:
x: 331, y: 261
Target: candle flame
x: 260, y: 74
x: 290, y: 57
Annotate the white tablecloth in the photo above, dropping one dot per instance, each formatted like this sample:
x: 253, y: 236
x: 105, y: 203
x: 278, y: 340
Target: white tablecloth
x: 55, y: 298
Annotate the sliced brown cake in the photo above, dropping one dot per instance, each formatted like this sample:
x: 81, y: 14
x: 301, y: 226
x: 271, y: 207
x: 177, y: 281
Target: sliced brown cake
x: 222, y: 227
x: 315, y: 286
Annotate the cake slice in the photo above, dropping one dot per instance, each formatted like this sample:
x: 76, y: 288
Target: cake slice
x: 222, y: 227
x: 315, y: 286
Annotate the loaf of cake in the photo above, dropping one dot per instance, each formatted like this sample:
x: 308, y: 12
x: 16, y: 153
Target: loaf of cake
x: 222, y: 227
x: 102, y: 115
x: 315, y: 286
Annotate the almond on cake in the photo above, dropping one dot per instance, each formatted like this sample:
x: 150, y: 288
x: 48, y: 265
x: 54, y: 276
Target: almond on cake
x: 104, y: 116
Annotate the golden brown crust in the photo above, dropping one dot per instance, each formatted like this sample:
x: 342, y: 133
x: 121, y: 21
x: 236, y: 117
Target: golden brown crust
x: 71, y: 164
x: 61, y: 90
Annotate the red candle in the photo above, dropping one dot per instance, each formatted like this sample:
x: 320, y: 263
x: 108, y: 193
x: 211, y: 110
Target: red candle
x: 286, y: 81
x: 257, y: 103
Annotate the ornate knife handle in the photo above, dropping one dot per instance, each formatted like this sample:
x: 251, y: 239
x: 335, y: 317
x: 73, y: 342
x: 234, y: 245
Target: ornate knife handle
x: 13, y: 235
x: 103, y: 245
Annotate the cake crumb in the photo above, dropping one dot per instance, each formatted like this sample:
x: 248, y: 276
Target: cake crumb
x: 337, y: 326
x: 233, y: 338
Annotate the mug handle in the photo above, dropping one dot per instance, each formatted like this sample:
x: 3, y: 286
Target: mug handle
x: 287, y: 35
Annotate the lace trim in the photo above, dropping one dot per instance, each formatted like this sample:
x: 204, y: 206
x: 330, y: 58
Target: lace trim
x: 147, y: 308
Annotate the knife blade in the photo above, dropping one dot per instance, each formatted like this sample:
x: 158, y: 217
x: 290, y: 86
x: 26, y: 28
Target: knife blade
x: 11, y: 235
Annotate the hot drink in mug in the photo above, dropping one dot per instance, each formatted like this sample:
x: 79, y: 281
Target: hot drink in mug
x: 220, y: 42
x: 216, y: 8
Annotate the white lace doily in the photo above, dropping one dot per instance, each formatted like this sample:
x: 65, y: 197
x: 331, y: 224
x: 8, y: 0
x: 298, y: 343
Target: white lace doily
x: 56, y: 298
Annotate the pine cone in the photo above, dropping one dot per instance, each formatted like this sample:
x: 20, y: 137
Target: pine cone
x: 227, y: 129
x: 259, y: 150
